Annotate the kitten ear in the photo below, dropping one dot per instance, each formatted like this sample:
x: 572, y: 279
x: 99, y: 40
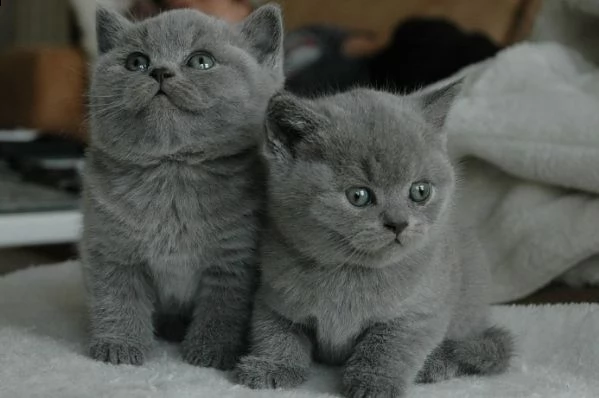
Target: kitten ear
x: 436, y: 100
x: 263, y: 31
x: 289, y: 120
x: 109, y: 27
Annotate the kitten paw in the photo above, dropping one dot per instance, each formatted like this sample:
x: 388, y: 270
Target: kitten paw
x: 219, y: 357
x: 440, y: 365
x: 437, y: 370
x: 116, y: 353
x: 373, y: 392
x: 211, y: 353
x: 367, y: 385
x: 259, y: 373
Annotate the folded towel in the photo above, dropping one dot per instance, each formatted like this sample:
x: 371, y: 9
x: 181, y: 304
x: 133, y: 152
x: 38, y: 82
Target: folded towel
x: 527, y: 130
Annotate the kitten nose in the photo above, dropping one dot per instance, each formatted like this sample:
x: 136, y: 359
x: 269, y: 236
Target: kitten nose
x: 161, y: 74
x: 397, y: 227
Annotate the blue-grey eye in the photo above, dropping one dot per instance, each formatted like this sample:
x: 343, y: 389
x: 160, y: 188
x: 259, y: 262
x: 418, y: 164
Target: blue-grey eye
x: 137, y: 62
x: 360, y: 196
x: 421, y: 191
x: 201, y: 60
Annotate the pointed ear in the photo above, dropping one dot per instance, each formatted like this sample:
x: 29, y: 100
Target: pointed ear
x: 289, y: 120
x: 263, y: 31
x: 436, y: 100
x: 110, y: 25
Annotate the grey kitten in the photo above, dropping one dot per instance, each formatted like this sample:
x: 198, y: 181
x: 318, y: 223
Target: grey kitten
x: 363, y: 265
x: 173, y: 186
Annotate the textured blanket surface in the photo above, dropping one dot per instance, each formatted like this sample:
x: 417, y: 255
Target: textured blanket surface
x: 526, y: 129
x: 42, y: 353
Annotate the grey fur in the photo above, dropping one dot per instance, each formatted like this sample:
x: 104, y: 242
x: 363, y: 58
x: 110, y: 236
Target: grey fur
x: 173, y: 184
x: 337, y: 286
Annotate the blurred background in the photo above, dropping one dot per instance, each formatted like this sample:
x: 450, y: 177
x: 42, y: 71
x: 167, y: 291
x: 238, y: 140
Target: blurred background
x: 46, y: 47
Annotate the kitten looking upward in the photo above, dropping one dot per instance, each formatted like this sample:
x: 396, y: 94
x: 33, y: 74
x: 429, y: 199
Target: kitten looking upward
x: 364, y: 264
x: 173, y: 186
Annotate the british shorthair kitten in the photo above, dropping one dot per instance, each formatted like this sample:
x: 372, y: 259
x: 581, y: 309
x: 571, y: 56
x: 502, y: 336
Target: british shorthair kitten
x: 173, y: 184
x: 363, y: 264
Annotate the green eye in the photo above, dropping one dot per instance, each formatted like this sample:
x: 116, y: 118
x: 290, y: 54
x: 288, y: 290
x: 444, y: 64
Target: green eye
x: 359, y: 196
x: 137, y: 62
x: 421, y: 191
x: 201, y: 61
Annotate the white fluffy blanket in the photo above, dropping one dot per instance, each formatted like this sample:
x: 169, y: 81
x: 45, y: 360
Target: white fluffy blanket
x: 527, y: 128
x: 42, y: 353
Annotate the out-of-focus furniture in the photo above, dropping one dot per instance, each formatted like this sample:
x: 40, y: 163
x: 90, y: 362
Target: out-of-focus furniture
x: 45, y: 88
x: 499, y: 19
x: 39, y: 228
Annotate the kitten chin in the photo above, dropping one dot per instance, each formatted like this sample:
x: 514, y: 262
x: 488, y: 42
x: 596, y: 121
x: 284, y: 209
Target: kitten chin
x: 391, y: 256
x: 163, y: 103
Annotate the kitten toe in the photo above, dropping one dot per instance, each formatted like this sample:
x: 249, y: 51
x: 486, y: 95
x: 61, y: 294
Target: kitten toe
x: 260, y: 373
x: 116, y: 353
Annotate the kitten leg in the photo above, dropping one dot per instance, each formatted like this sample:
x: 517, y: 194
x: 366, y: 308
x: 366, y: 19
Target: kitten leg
x: 120, y: 313
x: 485, y: 354
x: 217, y: 333
x: 440, y: 364
x: 280, y: 356
x: 388, y: 356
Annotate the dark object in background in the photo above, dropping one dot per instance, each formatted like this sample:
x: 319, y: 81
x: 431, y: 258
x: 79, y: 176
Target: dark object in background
x: 421, y: 52
x: 424, y: 51
x: 315, y: 62
x: 50, y: 161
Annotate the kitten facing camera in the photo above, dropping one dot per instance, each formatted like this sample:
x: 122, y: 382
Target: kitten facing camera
x: 173, y: 185
x: 363, y: 264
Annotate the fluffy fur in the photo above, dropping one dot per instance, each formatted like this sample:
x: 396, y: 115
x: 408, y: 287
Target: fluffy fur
x: 173, y: 187
x: 345, y: 286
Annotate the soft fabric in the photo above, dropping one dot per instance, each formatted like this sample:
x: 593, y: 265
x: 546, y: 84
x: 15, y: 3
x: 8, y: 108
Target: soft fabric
x: 530, y: 121
x: 43, y: 332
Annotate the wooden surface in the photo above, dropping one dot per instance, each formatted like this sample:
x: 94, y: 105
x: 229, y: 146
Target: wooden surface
x: 494, y: 17
x: 43, y: 89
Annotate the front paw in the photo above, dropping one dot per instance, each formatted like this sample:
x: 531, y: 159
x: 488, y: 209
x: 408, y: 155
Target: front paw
x: 437, y: 370
x: 218, y: 356
x: 116, y: 353
x: 358, y: 383
x: 440, y: 364
x: 262, y: 373
x: 211, y: 350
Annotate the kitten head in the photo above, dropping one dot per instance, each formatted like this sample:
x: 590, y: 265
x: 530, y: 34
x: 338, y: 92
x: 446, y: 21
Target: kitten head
x: 360, y: 178
x: 184, y: 83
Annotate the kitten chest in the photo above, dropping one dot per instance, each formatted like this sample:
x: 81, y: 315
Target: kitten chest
x: 173, y: 246
x: 177, y: 234
x: 338, y: 308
